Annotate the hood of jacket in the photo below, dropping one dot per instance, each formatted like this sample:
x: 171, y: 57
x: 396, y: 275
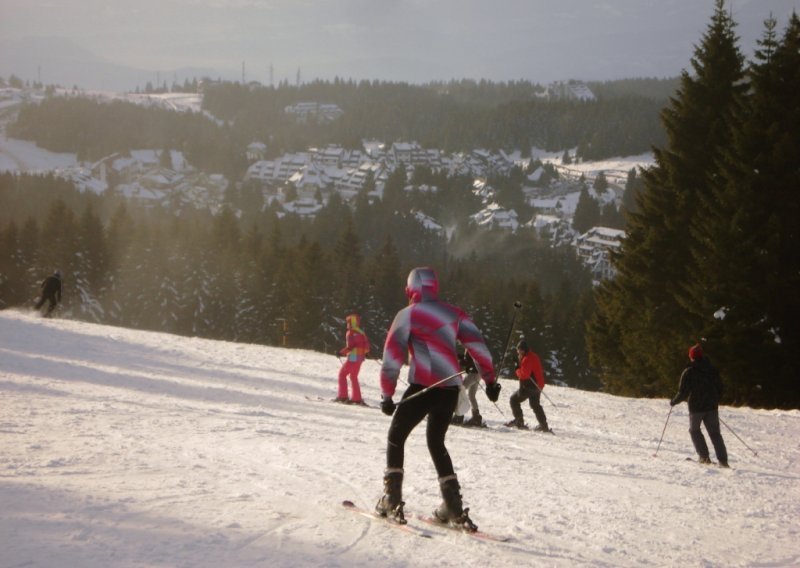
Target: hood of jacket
x: 353, y: 321
x: 422, y: 285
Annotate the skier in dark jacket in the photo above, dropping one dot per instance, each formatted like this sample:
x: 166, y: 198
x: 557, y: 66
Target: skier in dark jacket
x: 427, y: 330
x: 51, y: 292
x: 702, y: 387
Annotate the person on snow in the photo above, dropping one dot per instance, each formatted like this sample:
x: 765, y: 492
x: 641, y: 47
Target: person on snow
x: 529, y: 369
x: 701, y: 385
x: 355, y: 351
x: 50, y: 292
x: 428, y: 330
x: 467, y: 392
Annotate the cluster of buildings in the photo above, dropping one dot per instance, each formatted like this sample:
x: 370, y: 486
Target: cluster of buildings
x: 152, y: 178
x: 314, y: 112
x: 320, y: 171
x: 302, y: 182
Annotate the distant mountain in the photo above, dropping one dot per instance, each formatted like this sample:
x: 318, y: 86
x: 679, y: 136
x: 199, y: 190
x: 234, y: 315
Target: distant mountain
x: 58, y: 61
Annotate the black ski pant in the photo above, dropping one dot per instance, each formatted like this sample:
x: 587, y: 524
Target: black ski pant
x: 528, y: 391
x: 438, y: 405
x: 711, y: 421
x: 51, y: 307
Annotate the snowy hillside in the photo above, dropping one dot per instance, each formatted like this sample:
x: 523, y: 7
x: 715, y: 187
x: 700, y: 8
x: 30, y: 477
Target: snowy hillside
x: 128, y: 448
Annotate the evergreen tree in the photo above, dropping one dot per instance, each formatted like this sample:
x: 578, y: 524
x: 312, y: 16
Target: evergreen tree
x: 58, y: 248
x: 633, y: 187
x: 91, y: 266
x: 347, y: 260
x: 394, y: 197
x: 13, y: 285
x: 386, y: 278
x: 313, y: 324
x: 747, y: 245
x: 611, y: 217
x: 642, y: 327
x: 587, y: 212
x: 600, y: 183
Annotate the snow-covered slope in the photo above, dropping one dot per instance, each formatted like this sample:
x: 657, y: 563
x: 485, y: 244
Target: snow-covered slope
x: 130, y: 448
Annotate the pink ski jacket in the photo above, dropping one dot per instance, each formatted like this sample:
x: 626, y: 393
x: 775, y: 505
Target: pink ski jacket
x: 357, y: 344
x: 428, y: 329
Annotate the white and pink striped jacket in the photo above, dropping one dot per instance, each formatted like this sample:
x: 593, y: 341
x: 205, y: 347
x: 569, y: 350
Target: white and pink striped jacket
x: 428, y: 329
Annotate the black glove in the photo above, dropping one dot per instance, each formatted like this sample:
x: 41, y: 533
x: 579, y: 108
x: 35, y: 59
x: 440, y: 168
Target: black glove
x: 493, y: 391
x: 673, y: 402
x: 387, y: 405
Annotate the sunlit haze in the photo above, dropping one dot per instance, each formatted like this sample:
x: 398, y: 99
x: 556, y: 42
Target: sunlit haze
x: 407, y: 40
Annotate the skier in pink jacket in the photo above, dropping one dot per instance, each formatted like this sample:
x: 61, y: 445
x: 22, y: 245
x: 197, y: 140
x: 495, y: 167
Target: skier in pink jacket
x: 428, y: 330
x: 355, y: 351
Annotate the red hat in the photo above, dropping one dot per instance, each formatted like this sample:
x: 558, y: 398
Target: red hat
x: 695, y: 352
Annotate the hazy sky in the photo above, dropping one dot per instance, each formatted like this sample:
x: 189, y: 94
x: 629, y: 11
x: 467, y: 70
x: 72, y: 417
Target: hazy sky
x: 411, y: 40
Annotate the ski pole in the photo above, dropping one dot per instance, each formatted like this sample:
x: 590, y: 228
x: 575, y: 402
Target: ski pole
x: 662, y: 431
x: 517, y: 306
x: 755, y: 453
x: 541, y: 391
x: 426, y: 389
x: 503, y: 414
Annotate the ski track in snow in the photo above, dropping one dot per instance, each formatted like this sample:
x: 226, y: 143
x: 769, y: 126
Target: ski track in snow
x: 127, y: 448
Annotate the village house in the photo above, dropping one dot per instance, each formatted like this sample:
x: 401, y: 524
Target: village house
x: 595, y: 247
x: 306, y: 112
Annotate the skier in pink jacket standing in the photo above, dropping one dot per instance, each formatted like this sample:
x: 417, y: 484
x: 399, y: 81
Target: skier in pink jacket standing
x: 355, y: 351
x: 428, y: 330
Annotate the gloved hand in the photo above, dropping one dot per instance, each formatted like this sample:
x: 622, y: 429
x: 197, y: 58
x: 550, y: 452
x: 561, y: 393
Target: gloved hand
x: 387, y: 405
x: 672, y: 402
x: 493, y: 391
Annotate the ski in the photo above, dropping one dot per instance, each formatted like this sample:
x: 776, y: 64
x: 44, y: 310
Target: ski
x: 347, y: 402
x: 477, y: 534
x: 481, y: 425
x: 709, y: 464
x: 350, y: 506
x: 526, y: 428
x: 699, y: 463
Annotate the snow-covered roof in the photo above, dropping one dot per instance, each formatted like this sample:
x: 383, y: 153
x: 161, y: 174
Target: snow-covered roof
x: 493, y: 215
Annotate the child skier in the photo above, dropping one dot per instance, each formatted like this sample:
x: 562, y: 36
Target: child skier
x: 355, y: 351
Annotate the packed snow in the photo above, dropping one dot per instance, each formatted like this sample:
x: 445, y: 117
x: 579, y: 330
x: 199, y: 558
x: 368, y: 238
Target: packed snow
x: 25, y: 156
x: 132, y: 448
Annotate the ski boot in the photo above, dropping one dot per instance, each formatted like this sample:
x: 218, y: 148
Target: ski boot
x: 451, y: 511
x: 705, y: 460
x: 542, y: 428
x: 390, y: 505
x: 457, y: 420
x: 476, y: 420
x: 517, y: 423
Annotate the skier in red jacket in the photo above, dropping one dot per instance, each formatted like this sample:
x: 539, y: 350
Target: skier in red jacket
x: 355, y: 351
x: 528, y: 371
